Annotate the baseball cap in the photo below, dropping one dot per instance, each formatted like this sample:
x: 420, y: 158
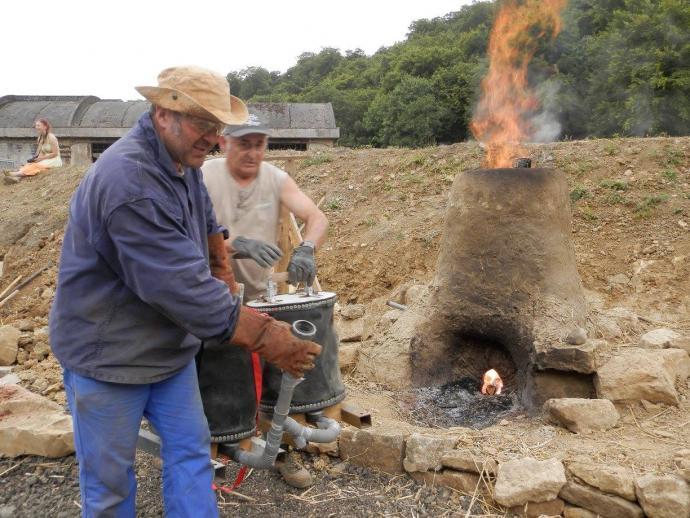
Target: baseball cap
x: 253, y: 124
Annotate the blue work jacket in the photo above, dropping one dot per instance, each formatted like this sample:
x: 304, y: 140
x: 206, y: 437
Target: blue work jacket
x: 135, y: 296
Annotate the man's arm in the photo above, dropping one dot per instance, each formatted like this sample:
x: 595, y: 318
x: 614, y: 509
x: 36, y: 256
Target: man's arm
x: 316, y: 223
x: 168, y: 271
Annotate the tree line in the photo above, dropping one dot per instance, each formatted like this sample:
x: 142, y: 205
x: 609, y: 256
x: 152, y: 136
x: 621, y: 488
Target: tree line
x: 618, y: 67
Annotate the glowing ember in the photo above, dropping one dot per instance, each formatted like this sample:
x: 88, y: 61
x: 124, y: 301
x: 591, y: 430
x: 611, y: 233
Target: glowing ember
x: 501, y: 120
x: 491, y: 383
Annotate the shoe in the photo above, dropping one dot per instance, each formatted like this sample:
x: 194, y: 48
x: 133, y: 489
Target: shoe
x: 293, y: 473
x: 11, y: 179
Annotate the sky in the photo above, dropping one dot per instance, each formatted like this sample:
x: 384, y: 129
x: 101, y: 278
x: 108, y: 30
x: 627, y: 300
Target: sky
x: 103, y: 48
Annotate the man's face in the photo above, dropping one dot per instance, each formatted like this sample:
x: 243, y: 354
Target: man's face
x: 188, y: 139
x: 245, y: 154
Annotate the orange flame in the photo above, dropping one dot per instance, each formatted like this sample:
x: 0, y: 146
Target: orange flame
x: 500, y: 122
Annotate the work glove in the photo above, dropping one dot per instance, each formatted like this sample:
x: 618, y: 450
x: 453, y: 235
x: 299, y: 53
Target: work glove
x: 274, y: 342
x: 264, y: 254
x: 218, y: 261
x: 302, y: 267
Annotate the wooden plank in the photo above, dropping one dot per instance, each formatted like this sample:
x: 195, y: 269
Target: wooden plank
x: 289, y: 235
x: 10, y: 287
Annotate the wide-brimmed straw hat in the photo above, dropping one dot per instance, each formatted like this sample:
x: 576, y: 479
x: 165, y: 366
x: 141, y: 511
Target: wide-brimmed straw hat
x: 196, y: 91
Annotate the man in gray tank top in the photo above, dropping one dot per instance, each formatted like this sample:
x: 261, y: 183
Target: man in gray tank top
x: 247, y: 194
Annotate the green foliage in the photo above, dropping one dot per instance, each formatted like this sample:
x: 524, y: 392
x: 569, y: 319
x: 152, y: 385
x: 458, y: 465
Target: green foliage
x: 410, y: 115
x: 619, y: 67
x: 334, y: 204
x: 670, y: 174
x: 614, y: 198
x: 647, y: 205
x: 317, y: 160
x: 588, y: 214
x: 614, y: 185
x: 578, y: 193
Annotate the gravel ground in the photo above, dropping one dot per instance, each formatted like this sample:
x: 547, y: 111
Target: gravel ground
x: 39, y: 487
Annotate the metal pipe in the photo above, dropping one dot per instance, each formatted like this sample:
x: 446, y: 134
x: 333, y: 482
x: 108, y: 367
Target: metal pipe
x: 265, y: 457
x: 401, y: 307
x: 327, y: 431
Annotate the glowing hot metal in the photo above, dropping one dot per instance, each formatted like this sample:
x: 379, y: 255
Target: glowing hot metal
x: 491, y: 383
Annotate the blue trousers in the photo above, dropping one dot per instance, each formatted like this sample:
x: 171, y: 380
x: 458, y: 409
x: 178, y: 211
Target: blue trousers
x: 106, y: 418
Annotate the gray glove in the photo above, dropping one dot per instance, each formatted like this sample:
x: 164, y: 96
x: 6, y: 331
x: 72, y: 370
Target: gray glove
x: 264, y: 254
x: 302, y: 267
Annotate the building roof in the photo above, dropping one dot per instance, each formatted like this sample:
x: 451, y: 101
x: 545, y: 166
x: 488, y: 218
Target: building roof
x: 91, y: 117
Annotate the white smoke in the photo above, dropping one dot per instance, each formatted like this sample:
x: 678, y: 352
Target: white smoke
x: 545, y: 125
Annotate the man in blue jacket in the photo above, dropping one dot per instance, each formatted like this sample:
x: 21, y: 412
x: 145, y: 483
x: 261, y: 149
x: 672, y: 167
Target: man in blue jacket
x: 136, y: 296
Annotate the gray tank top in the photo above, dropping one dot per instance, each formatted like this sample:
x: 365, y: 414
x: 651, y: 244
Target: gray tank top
x: 251, y: 212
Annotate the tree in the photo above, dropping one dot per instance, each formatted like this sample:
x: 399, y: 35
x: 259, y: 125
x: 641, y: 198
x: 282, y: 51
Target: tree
x: 410, y: 115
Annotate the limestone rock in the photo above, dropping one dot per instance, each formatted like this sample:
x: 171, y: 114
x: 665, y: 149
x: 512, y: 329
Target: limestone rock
x: 663, y: 496
x: 9, y: 344
x: 415, y: 293
x: 390, y: 317
x: 424, y: 452
x: 682, y: 461
x: 538, y: 509
x: 659, y: 338
x: 677, y: 363
x: 464, y: 460
x: 380, y: 447
x: 545, y: 385
x: 347, y: 356
x: 616, y: 480
x: 352, y: 311
x: 528, y: 480
x: 458, y: 480
x: 570, y: 357
x: 10, y: 379
x: 25, y: 325
x: 40, y: 351
x: 26, y: 340
x: 601, y: 503
x: 41, y: 334
x: 351, y: 330
x: 682, y: 343
x: 619, y: 280
x: 570, y: 511
x: 33, y: 425
x: 577, y: 336
x: 582, y: 415
x: 625, y: 318
x: 638, y: 374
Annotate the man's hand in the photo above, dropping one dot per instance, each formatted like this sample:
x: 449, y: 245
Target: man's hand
x: 302, y: 267
x: 264, y: 254
x: 274, y: 342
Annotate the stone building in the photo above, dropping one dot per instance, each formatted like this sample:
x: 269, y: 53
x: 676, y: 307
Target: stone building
x: 86, y: 125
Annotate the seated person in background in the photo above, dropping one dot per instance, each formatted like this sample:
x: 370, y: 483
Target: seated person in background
x: 47, y: 153
x: 247, y: 194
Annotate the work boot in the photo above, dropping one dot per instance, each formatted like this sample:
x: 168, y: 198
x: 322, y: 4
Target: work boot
x: 293, y: 473
x: 11, y: 179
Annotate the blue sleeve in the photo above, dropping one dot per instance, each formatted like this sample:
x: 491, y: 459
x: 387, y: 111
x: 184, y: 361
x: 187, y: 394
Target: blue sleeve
x: 212, y: 226
x: 167, y: 270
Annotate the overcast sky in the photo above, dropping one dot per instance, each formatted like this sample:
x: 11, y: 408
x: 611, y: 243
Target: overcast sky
x: 103, y: 48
